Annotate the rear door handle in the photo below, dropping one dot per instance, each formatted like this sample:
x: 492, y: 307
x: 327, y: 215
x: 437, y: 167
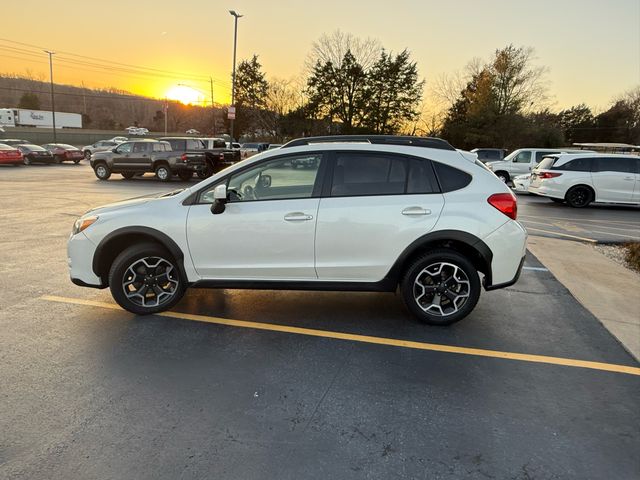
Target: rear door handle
x: 415, y: 211
x: 297, y: 217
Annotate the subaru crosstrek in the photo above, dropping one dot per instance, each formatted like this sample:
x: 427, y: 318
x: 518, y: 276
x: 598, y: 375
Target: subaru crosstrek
x: 366, y: 213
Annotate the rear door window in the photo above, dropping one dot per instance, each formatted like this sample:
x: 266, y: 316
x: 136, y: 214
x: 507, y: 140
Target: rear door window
x: 577, y: 165
x: 360, y: 174
x: 615, y: 164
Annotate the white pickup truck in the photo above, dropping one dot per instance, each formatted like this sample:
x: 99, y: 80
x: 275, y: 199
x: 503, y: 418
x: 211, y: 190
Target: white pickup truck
x: 523, y: 160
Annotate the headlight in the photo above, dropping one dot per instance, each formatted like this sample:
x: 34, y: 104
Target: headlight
x: 83, y: 223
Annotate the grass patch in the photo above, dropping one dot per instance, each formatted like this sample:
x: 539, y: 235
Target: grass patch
x: 632, y: 255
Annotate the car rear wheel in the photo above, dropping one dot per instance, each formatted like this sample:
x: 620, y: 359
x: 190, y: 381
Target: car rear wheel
x: 441, y: 287
x: 87, y: 154
x: 102, y: 171
x: 579, y: 196
x: 163, y: 173
x: 145, y: 279
x: 76, y: 161
x: 185, y: 175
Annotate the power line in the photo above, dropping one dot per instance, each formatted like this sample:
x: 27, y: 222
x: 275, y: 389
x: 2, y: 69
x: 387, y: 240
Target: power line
x: 121, y: 66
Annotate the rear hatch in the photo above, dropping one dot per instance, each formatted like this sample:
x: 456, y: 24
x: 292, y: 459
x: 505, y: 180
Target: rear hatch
x: 540, y: 171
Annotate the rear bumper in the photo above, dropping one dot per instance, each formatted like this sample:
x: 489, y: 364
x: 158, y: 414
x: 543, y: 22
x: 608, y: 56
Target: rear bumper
x: 508, y: 245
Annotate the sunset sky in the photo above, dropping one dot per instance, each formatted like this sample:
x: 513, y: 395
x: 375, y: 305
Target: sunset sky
x: 592, y: 47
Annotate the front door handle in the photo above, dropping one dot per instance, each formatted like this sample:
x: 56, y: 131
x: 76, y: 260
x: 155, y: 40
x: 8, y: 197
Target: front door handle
x: 630, y: 178
x: 297, y: 217
x: 415, y: 211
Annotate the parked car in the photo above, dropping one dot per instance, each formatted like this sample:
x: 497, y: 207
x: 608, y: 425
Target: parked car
x: 118, y: 139
x: 234, y: 145
x: 10, y: 155
x: 249, y: 149
x: 192, y: 131
x: 62, y: 152
x: 522, y: 161
x: 145, y: 155
x: 377, y: 212
x: 140, y: 131
x: 273, y: 146
x: 35, y: 154
x: 13, y: 141
x: 217, y: 156
x: 521, y: 183
x: 99, y: 146
x: 580, y: 179
x: 489, y: 154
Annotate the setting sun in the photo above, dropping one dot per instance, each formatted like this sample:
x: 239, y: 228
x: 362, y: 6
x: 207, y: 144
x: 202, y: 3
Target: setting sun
x: 185, y: 94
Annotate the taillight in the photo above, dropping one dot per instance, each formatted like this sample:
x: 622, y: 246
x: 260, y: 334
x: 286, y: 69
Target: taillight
x: 506, y: 203
x: 221, y: 156
x: 184, y: 157
x: 548, y: 174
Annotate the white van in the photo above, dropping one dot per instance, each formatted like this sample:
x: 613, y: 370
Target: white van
x: 523, y: 160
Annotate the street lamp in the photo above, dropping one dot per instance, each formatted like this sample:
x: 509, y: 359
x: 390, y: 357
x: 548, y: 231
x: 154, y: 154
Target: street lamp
x: 236, y: 16
x: 53, y: 105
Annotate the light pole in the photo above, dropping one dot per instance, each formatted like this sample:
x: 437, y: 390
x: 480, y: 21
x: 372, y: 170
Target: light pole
x: 53, y: 105
x: 236, y: 15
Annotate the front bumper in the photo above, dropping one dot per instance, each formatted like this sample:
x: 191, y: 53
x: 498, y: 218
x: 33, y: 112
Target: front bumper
x: 80, y: 251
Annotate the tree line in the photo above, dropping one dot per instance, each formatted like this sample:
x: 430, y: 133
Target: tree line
x: 351, y: 85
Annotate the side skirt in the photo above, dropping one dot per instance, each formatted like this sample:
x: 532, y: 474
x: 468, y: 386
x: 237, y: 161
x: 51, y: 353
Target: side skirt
x: 384, y: 285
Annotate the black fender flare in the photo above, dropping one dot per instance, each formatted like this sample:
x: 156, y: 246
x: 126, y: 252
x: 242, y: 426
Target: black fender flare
x: 484, y: 254
x: 103, y: 252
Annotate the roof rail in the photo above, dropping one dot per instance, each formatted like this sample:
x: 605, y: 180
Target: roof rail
x: 428, y: 142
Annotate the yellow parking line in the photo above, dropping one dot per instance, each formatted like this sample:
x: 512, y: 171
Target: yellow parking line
x: 583, y: 239
x: 568, y: 362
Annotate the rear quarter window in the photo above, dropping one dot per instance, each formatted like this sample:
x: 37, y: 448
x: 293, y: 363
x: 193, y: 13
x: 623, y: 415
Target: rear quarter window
x: 576, y: 165
x: 451, y: 178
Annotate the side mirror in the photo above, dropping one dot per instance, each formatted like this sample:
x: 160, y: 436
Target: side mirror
x: 219, y: 199
x: 114, y: 149
x: 265, y: 181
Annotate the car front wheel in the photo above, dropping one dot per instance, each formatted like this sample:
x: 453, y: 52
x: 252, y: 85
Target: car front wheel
x: 163, y: 173
x: 102, y: 171
x: 87, y: 154
x: 145, y: 279
x: 441, y: 287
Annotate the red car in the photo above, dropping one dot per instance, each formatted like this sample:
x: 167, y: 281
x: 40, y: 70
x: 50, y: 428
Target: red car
x: 62, y: 152
x: 10, y: 155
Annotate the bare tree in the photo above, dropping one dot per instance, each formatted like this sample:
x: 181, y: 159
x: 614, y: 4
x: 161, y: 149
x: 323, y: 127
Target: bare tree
x: 333, y: 48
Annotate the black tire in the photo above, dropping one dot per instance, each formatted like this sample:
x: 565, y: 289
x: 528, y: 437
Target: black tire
x: 57, y: 159
x: 504, y: 176
x: 157, y: 277
x: 26, y: 160
x: 579, y: 196
x: 455, y: 290
x: 185, y: 175
x: 87, y: 154
x: 76, y: 161
x: 163, y: 172
x: 557, y: 200
x: 205, y: 172
x: 102, y: 171
x: 128, y: 175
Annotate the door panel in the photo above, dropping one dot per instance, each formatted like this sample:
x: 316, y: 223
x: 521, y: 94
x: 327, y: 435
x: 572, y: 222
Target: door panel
x: 259, y: 240
x: 614, y: 179
x: 359, y: 238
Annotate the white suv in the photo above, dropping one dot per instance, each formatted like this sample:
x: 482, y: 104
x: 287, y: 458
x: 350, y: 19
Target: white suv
x: 364, y: 213
x: 522, y: 161
x: 580, y: 179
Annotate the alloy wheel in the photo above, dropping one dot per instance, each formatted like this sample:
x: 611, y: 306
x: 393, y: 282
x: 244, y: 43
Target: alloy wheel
x: 441, y: 289
x: 101, y: 171
x: 150, y: 282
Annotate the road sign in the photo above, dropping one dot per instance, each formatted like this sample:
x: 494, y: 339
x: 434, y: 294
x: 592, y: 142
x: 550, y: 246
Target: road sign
x: 231, y: 112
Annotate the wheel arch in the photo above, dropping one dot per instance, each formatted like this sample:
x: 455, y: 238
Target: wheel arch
x: 118, y: 240
x: 582, y: 185
x: 465, y: 243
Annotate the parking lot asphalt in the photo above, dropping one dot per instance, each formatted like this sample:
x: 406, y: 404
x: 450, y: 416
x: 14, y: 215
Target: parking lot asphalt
x: 262, y: 384
x: 598, y: 223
